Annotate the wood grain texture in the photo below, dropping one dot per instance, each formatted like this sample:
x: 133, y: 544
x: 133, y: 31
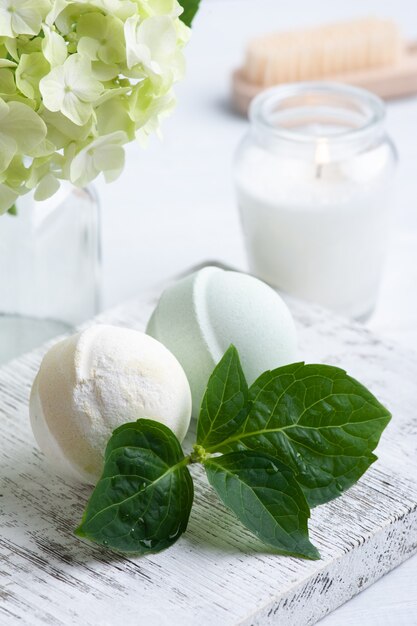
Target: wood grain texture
x: 390, y: 82
x: 217, y: 574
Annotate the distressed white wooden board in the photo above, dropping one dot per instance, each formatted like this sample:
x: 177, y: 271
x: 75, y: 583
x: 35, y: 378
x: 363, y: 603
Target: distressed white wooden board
x: 217, y: 574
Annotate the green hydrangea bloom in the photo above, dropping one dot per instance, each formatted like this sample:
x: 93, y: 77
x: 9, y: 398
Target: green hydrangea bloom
x: 78, y: 80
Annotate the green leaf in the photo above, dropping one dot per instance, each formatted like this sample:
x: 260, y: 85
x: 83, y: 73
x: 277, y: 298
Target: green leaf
x: 190, y: 9
x: 12, y: 210
x: 317, y: 420
x: 264, y: 494
x: 225, y: 402
x: 143, y: 500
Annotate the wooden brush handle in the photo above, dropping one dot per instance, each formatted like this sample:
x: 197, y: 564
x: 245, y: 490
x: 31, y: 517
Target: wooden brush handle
x: 394, y: 81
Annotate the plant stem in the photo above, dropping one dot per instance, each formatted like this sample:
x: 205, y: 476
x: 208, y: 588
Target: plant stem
x: 199, y: 454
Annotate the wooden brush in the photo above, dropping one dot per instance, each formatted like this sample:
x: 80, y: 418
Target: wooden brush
x: 369, y: 53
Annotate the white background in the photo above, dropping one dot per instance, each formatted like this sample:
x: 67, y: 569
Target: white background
x: 174, y: 204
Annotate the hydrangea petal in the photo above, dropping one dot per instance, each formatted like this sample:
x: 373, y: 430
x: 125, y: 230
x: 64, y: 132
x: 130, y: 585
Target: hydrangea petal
x: 22, y: 17
x: 7, y: 198
x: 166, y: 7
x: 25, y: 127
x: 102, y: 38
x: 5, y: 23
x: 53, y: 47
x: 89, y: 47
x: 113, y: 115
x: 31, y: 69
x: 61, y: 131
x: 57, y: 7
x: 52, y: 88
x: 102, y: 154
x: 75, y: 109
x: 110, y: 160
x: 79, y: 78
x: 104, y: 72
x: 159, y: 36
x: 70, y: 88
x: 8, y: 148
x: 7, y: 84
x: 7, y: 63
x: 4, y: 109
x: 46, y: 187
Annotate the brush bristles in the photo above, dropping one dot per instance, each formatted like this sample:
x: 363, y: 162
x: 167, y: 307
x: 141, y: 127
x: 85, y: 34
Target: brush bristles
x: 323, y: 52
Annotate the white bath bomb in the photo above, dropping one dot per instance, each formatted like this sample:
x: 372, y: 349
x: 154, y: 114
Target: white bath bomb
x: 201, y: 315
x: 93, y: 382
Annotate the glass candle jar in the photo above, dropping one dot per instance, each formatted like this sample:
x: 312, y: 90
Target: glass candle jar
x: 314, y: 179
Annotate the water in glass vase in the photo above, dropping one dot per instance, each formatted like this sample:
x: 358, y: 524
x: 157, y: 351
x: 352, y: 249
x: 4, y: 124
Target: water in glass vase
x: 49, y: 268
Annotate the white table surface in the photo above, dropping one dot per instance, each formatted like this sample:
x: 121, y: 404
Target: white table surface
x: 174, y: 205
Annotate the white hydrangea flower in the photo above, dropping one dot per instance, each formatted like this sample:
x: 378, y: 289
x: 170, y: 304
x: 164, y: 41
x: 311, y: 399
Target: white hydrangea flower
x: 72, y: 89
x: 101, y: 38
x: 78, y: 80
x: 152, y: 45
x: 22, y: 17
x: 21, y: 131
x: 104, y: 154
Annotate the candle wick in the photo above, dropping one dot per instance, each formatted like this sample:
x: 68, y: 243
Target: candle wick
x: 319, y: 170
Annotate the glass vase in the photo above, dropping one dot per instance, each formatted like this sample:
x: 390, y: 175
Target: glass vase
x: 49, y: 268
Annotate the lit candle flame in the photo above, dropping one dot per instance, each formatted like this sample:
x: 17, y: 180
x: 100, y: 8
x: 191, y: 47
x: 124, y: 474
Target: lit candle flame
x: 322, y: 156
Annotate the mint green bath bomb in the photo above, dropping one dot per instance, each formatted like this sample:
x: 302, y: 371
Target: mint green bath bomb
x: 198, y: 318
